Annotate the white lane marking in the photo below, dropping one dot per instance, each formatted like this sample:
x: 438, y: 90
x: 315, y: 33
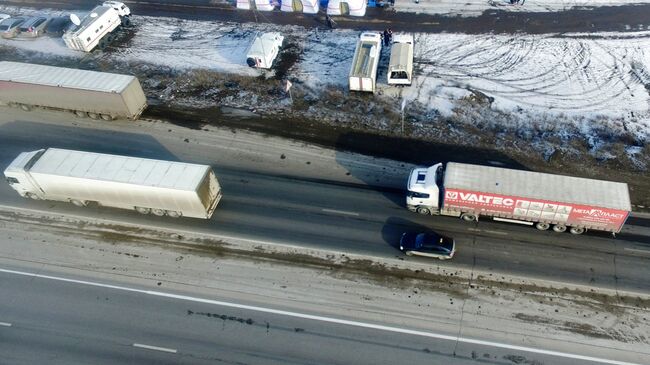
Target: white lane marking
x: 637, y: 250
x: 5, y: 324
x: 340, y: 212
x: 330, y: 319
x: 156, y: 348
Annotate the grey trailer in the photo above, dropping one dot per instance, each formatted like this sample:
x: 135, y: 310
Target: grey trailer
x: 86, y: 93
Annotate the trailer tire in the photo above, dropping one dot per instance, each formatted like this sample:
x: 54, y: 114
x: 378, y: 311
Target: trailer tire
x: 559, y: 228
x: 79, y: 203
x: 158, y: 212
x: 577, y: 230
x: 80, y: 114
x: 94, y: 116
x: 25, y: 107
x: 32, y: 196
x: 174, y: 213
x: 542, y: 226
x: 468, y: 217
x: 143, y: 210
x: 423, y: 210
x: 106, y: 117
x: 408, y: 253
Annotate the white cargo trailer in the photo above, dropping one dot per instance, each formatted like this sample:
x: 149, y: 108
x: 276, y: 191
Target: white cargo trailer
x: 97, y: 28
x: 148, y: 186
x: 400, y: 67
x: 86, y: 93
x: 525, y: 197
x: 363, y: 74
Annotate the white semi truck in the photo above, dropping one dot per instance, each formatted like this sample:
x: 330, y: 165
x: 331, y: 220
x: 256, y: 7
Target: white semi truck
x: 98, y: 27
x: 148, y: 186
x: 516, y: 196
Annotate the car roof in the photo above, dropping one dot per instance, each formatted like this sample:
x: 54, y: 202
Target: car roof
x: 33, y: 20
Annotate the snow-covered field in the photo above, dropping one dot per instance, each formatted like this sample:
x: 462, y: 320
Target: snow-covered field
x: 476, y: 7
x: 559, y: 83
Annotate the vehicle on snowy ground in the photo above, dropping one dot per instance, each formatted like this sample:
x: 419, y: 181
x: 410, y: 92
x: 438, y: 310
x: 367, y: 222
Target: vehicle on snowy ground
x: 33, y: 27
x: 400, y: 67
x: 264, y: 50
x: 9, y: 27
x: 98, y: 28
x: 363, y: 73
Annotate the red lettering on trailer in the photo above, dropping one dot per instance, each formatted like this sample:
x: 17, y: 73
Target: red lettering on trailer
x: 535, y: 210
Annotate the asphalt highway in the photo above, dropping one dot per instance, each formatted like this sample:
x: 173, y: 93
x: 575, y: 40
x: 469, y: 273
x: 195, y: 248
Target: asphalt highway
x: 327, y: 214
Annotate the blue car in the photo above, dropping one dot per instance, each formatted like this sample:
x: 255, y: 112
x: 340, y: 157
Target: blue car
x: 429, y: 244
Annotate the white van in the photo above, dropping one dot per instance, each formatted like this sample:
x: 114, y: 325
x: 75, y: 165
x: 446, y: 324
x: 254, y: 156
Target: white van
x: 400, y: 67
x: 264, y: 50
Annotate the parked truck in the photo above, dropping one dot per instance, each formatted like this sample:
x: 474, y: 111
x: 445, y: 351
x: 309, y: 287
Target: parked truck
x: 516, y: 196
x: 147, y: 186
x: 363, y: 74
x: 86, y: 93
x: 400, y: 67
x: 98, y: 28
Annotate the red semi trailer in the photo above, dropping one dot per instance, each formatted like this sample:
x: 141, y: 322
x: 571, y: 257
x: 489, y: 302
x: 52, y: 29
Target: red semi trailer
x: 516, y: 196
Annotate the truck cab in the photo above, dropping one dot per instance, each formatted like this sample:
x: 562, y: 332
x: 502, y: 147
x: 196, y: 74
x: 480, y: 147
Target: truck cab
x: 423, y: 189
x: 121, y: 9
x: 17, y: 174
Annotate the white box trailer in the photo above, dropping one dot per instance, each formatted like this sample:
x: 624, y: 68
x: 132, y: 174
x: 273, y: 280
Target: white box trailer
x: 86, y: 93
x: 97, y: 28
x: 363, y: 74
x: 400, y: 67
x: 148, y: 186
x: 517, y: 196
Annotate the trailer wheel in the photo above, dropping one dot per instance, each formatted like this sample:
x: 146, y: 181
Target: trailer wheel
x: 468, y: 217
x: 32, y: 196
x: 143, y: 210
x: 542, y: 226
x: 93, y: 115
x: 174, y: 214
x: 158, y: 212
x: 408, y: 253
x: 577, y: 230
x: 80, y: 114
x: 25, y: 107
x: 423, y: 210
x: 559, y: 228
x: 79, y: 203
x: 106, y: 117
